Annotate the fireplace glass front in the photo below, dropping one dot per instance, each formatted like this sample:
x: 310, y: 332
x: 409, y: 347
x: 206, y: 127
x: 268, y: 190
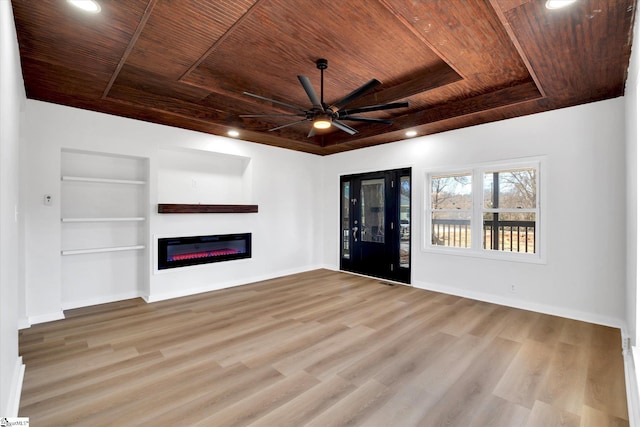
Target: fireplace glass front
x: 193, y: 250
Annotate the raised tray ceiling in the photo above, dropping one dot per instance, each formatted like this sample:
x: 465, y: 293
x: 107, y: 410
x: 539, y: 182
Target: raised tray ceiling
x: 458, y: 63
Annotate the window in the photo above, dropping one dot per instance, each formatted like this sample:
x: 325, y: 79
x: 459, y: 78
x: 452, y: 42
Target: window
x: 490, y: 211
x: 509, y: 211
x: 451, y: 210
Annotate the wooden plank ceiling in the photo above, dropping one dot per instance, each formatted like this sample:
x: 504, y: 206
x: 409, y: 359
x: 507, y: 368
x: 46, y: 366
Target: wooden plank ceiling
x: 186, y: 63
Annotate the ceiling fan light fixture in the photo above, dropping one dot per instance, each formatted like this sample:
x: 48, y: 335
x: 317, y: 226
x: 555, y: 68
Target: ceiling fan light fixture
x: 322, y: 123
x: 90, y: 6
x: 558, y: 4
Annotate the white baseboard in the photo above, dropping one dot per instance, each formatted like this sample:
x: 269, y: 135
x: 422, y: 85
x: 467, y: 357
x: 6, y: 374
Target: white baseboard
x: 515, y: 303
x: 526, y: 305
x: 59, y: 315
x: 15, y: 390
x: 155, y: 297
x: 48, y: 317
x: 23, y: 323
x: 99, y: 300
x: 631, y: 358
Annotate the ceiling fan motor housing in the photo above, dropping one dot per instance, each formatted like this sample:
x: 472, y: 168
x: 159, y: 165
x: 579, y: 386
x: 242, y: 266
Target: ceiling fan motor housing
x: 322, y: 64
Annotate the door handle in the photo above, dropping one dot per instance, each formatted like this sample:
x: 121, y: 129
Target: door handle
x: 355, y: 234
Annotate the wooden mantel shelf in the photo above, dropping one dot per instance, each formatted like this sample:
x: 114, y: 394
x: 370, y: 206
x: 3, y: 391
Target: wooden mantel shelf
x: 169, y: 208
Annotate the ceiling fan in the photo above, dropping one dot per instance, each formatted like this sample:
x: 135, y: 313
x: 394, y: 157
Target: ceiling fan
x: 324, y: 115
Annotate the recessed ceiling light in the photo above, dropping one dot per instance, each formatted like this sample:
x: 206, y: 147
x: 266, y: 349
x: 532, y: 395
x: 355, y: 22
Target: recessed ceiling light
x: 558, y: 4
x: 233, y: 133
x: 411, y: 133
x: 91, y: 6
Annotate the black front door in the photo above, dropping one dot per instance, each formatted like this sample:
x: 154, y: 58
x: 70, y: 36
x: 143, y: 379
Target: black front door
x: 375, y: 218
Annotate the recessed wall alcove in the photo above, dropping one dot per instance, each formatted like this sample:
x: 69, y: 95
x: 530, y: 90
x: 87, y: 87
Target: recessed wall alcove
x: 212, y: 182
x: 193, y: 176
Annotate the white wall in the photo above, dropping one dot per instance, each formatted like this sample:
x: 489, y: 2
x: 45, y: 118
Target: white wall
x: 12, y: 99
x: 584, y: 169
x: 281, y: 182
x: 631, y: 119
x: 295, y: 230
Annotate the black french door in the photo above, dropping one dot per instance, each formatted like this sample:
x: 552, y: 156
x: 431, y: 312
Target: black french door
x: 376, y: 224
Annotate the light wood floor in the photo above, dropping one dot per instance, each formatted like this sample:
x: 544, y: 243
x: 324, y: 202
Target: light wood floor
x: 321, y: 349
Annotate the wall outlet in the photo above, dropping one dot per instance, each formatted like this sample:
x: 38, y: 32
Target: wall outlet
x: 513, y: 288
x: 47, y: 200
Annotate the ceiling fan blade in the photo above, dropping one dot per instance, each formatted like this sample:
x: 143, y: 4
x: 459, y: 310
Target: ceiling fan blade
x: 312, y: 132
x: 272, y: 115
x: 374, y: 108
x: 295, y: 107
x: 366, y: 119
x: 344, y: 127
x: 311, y: 93
x: 288, y: 124
x: 362, y: 90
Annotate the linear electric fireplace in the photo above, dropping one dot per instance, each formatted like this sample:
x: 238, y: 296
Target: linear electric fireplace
x: 183, y: 251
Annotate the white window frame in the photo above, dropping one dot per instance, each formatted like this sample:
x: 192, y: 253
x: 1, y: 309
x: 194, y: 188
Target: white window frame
x: 477, y: 229
x: 448, y: 172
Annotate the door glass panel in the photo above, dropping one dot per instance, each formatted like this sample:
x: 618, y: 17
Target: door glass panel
x: 405, y: 220
x: 372, y: 210
x: 346, y: 209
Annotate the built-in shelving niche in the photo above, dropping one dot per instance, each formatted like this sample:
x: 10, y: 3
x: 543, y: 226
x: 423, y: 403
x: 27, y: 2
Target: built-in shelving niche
x: 104, y: 227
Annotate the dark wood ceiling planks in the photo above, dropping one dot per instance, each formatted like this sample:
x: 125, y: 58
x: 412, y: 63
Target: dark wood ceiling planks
x: 458, y: 63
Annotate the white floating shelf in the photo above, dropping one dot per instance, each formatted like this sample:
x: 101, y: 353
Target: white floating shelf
x: 102, y: 180
x: 107, y: 219
x: 101, y: 250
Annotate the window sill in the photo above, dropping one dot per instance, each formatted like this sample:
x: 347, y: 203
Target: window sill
x: 485, y: 254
